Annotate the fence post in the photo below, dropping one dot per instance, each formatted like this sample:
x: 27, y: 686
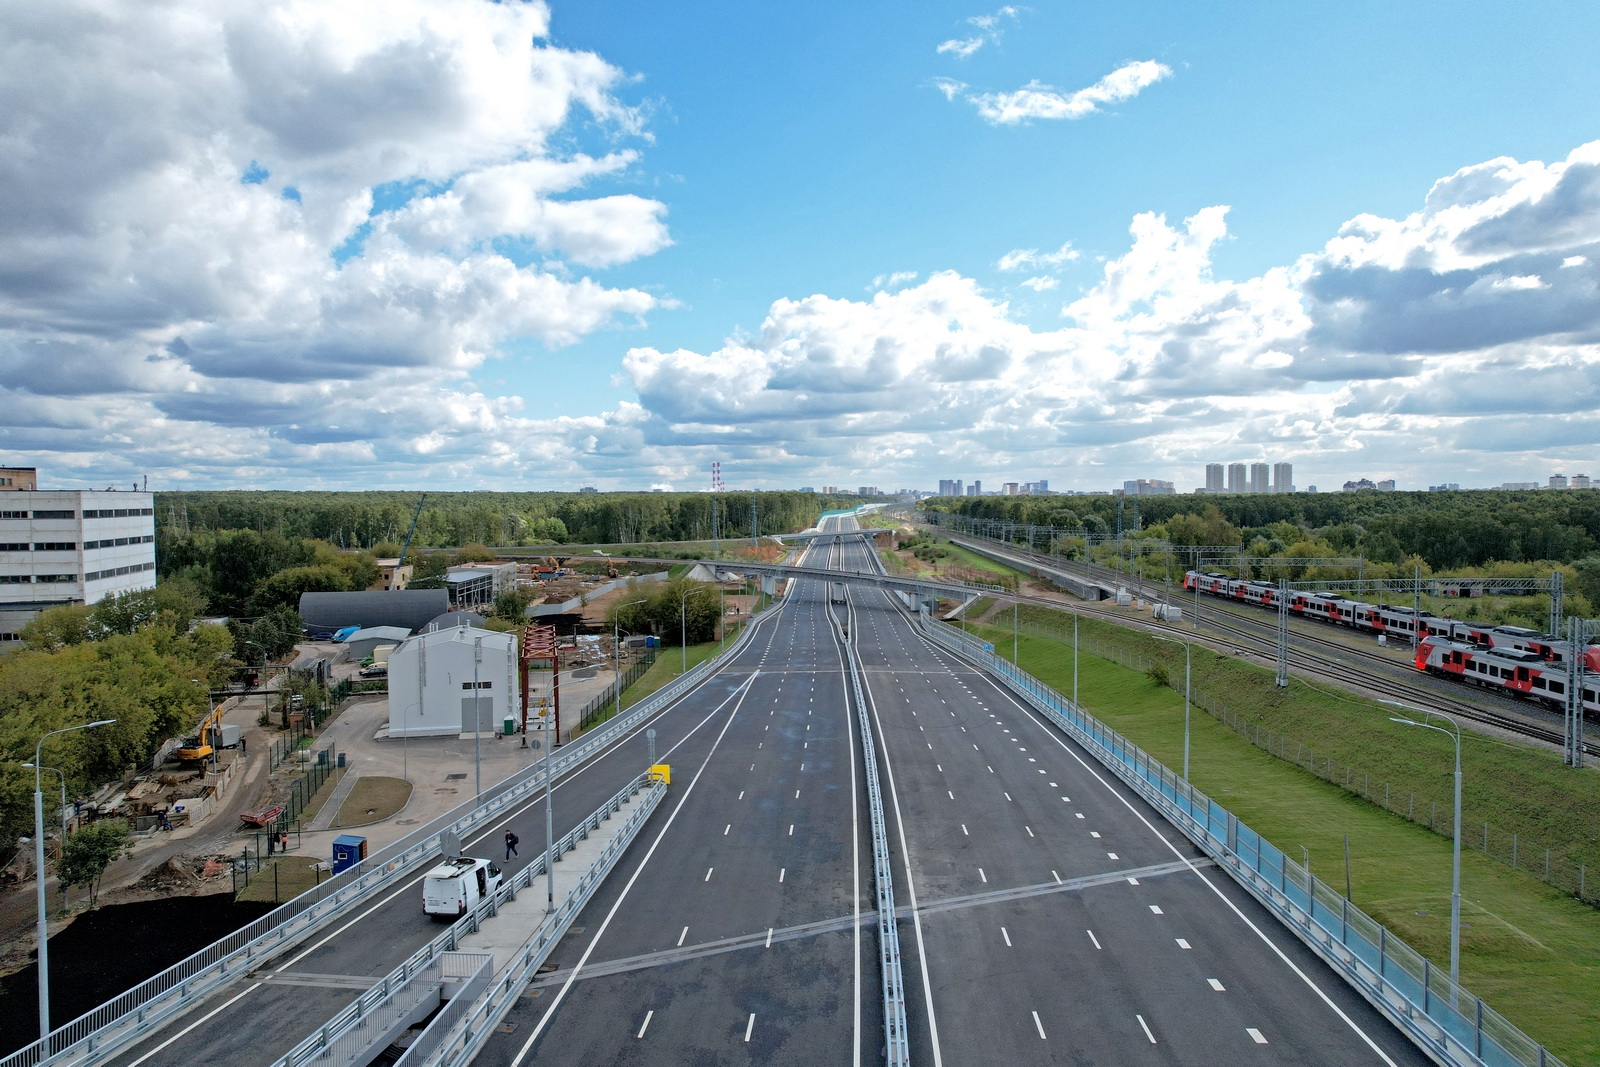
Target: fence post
x: 1513, y: 851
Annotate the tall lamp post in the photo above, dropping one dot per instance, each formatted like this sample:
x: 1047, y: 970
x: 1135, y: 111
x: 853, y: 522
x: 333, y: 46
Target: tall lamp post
x: 38, y: 862
x: 683, y: 629
x: 616, y: 646
x: 1186, y: 676
x: 1454, y: 733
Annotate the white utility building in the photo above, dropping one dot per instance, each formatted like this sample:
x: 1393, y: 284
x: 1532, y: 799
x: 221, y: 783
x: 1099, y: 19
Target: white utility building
x: 453, y: 681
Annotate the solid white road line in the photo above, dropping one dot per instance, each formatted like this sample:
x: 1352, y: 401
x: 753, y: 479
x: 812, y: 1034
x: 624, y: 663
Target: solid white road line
x: 227, y: 1003
x: 646, y: 1025
x: 1146, y: 1027
x: 544, y: 1020
x: 1039, y: 1026
x: 1260, y: 933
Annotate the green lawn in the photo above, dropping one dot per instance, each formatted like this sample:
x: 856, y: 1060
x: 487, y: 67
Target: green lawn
x: 1529, y: 950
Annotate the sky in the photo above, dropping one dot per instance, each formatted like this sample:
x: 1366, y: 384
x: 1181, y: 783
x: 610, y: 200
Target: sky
x: 446, y: 244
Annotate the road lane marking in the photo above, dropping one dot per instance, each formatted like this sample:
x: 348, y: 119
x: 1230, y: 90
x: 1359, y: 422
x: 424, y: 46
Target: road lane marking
x: 1057, y: 874
x: 646, y: 1025
x: 1078, y: 814
x: 1094, y: 939
x: 1094, y: 833
x: 708, y: 873
x: 1255, y: 1035
x: 1008, y: 796
x: 941, y: 767
x: 964, y: 830
x: 1216, y: 985
x: 791, y: 829
x: 1030, y: 831
x: 797, y: 794
x: 682, y: 936
x: 741, y: 794
x: 725, y: 830
x: 951, y: 795
x: 1006, y: 936
x: 985, y: 877
x: 1182, y: 943
x: 769, y: 937
x: 1144, y: 1025
x: 751, y: 1025
x: 1132, y: 880
x: 1039, y: 1026
x: 1155, y: 909
x: 225, y: 1004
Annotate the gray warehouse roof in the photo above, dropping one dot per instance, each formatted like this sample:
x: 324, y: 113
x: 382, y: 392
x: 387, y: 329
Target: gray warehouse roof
x: 409, y: 608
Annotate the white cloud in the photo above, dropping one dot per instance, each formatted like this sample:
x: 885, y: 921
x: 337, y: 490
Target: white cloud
x: 890, y: 281
x: 949, y: 87
x: 1041, y: 284
x: 1039, y: 101
x: 1033, y: 259
x: 989, y: 32
x: 219, y: 213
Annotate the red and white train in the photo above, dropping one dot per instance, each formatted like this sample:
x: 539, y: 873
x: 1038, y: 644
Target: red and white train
x: 1514, y: 658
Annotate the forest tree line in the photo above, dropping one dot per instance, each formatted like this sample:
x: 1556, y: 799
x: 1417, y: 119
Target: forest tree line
x: 368, y: 519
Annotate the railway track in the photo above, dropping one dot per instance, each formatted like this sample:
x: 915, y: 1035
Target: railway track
x: 1310, y: 655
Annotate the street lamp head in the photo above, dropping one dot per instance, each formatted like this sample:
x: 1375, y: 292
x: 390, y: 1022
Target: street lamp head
x: 1403, y: 722
x: 101, y: 722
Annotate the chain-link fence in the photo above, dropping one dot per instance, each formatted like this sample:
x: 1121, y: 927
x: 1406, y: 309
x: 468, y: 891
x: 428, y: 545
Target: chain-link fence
x: 1554, y: 866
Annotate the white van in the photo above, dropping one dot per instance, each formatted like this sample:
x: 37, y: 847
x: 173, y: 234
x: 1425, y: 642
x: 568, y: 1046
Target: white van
x: 456, y: 886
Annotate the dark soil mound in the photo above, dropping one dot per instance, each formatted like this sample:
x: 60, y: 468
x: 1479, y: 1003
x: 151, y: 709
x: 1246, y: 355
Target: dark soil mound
x: 112, y: 949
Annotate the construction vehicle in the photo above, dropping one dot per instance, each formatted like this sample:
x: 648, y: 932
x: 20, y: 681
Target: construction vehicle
x: 211, y: 735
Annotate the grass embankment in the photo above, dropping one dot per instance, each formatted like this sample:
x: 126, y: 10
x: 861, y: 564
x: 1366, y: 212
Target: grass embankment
x: 282, y: 879
x: 1528, y: 949
x: 373, y: 799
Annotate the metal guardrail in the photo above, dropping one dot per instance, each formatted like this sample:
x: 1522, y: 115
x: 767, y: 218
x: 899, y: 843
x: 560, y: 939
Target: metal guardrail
x: 1442, y: 1017
x: 896, y: 1035
x: 440, y: 1024
x: 134, y: 1013
x: 467, y: 1036
x: 398, y: 992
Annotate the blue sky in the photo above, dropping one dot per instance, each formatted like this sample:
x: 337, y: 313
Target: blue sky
x: 505, y: 328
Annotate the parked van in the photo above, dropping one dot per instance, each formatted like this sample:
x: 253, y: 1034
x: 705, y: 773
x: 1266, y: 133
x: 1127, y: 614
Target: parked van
x: 456, y: 886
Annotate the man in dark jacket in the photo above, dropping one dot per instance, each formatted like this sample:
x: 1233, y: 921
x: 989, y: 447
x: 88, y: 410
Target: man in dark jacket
x: 511, y: 845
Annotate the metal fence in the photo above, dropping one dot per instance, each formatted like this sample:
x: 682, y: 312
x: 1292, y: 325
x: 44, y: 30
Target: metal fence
x: 139, y: 1010
x: 604, y: 704
x: 1554, y: 867
x: 1441, y: 1016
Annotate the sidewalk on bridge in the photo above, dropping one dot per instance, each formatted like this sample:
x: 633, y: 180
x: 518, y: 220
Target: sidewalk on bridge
x: 508, y: 932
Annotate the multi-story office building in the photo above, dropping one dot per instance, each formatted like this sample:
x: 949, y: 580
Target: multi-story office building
x: 976, y: 488
x: 1147, y: 487
x: 1283, y: 477
x: 1258, y: 478
x: 1237, y: 481
x: 1214, y: 476
x: 949, y: 486
x: 71, y: 547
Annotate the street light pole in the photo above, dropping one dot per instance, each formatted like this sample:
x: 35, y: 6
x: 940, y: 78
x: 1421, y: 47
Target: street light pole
x: 1455, y: 860
x: 1187, y: 663
x: 38, y: 863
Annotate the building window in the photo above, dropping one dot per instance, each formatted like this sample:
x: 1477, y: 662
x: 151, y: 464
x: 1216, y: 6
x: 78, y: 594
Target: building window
x: 55, y: 577
x: 10, y: 637
x: 14, y: 579
x: 55, y: 546
x: 481, y: 685
x: 13, y: 514
x: 55, y: 514
x: 14, y: 547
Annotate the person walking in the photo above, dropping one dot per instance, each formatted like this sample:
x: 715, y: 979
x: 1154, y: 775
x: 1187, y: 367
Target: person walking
x: 511, y: 845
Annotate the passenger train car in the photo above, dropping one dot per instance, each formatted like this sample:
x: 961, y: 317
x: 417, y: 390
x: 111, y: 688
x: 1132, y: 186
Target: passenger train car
x: 1514, y: 658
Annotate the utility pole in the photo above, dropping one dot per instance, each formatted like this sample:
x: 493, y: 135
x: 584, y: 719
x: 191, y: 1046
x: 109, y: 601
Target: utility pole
x: 1282, y: 679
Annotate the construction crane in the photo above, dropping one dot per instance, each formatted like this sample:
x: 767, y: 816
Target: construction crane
x: 394, y: 578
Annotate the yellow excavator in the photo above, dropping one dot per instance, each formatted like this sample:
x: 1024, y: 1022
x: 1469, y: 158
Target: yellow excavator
x: 199, y: 746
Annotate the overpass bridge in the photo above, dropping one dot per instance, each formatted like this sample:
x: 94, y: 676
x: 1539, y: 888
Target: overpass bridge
x: 868, y: 818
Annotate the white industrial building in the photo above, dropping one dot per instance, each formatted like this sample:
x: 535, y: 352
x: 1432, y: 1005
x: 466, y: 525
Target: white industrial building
x: 72, y: 546
x: 453, y: 681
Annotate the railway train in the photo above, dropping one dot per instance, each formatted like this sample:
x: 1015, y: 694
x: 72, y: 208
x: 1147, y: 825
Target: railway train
x: 1520, y: 661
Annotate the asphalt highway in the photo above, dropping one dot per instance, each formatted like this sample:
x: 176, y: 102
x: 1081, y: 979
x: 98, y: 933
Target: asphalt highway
x: 1093, y: 932
x: 739, y: 927
x: 267, y: 1012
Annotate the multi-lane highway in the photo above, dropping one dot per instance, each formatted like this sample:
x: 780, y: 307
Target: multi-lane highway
x: 1047, y: 915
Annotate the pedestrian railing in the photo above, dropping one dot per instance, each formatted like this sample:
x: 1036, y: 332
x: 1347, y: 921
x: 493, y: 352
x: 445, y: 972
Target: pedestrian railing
x: 399, y: 992
x: 458, y: 1045
x: 1442, y: 1017
x: 99, y: 1033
